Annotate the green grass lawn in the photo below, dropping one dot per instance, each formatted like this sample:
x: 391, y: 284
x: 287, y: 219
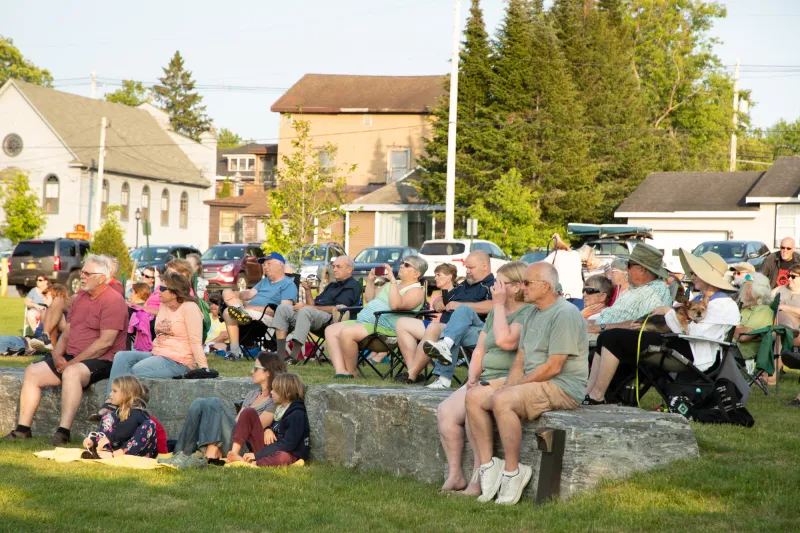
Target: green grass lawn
x: 745, y: 480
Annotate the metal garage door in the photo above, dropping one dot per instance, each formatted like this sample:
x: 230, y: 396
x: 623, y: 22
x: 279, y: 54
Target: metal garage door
x: 671, y: 241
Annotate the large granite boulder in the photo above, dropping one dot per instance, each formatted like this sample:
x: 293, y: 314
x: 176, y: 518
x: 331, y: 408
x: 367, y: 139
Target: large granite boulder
x: 394, y: 429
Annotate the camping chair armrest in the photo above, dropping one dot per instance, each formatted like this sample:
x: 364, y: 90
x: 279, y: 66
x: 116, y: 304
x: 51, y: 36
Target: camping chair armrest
x: 404, y: 313
x: 349, y: 310
x: 695, y: 338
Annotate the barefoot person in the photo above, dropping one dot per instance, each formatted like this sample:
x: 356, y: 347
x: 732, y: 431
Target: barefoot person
x: 96, y: 326
x: 491, y: 359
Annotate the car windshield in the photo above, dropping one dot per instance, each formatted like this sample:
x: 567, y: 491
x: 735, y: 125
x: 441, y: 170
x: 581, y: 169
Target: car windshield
x: 223, y: 253
x: 533, y: 257
x: 157, y: 253
x: 313, y: 253
x: 442, y: 248
x: 34, y: 249
x: 726, y: 250
x: 379, y: 255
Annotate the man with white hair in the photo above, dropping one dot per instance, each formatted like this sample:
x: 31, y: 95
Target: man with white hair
x: 315, y: 313
x: 550, y: 372
x: 96, y: 326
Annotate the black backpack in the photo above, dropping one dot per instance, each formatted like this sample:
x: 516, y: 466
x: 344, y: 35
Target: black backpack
x: 719, y: 403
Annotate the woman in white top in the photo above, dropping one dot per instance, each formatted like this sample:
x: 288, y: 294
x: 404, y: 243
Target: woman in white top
x: 620, y: 345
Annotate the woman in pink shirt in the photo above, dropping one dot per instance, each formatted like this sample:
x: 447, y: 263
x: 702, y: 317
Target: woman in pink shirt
x: 178, y: 345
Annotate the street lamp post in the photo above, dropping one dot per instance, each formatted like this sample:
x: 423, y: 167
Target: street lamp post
x: 138, y: 216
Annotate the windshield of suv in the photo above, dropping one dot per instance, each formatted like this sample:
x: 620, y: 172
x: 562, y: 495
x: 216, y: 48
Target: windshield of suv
x: 157, y: 253
x: 223, y: 253
x: 34, y: 249
x: 726, y: 250
x: 313, y: 253
x: 379, y: 255
x: 442, y: 248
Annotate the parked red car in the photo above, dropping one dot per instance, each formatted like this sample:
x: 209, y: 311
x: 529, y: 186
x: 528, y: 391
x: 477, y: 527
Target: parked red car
x: 232, y: 266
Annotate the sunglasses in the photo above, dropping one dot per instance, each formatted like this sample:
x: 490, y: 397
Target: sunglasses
x: 148, y: 277
x: 406, y: 264
x: 527, y: 282
x: 590, y: 290
x: 259, y: 367
x: 786, y: 248
x: 794, y: 276
x: 40, y: 279
x: 163, y: 288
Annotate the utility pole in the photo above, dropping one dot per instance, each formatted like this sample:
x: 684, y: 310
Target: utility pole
x: 96, y: 214
x: 94, y: 85
x: 450, y: 194
x: 735, y: 116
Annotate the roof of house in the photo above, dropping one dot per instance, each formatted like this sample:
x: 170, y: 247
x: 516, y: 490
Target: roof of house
x: 781, y: 180
x: 255, y: 203
x: 664, y: 192
x: 251, y: 148
x: 135, y: 144
x: 399, y: 193
x: 330, y: 93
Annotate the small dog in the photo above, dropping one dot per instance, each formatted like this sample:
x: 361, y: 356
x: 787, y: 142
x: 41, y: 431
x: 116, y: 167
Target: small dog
x: 689, y: 311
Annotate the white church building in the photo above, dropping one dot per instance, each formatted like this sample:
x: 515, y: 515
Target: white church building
x: 54, y: 137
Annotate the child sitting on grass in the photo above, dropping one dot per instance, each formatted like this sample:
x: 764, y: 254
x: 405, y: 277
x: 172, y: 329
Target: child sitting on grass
x: 128, y: 430
x: 286, y: 440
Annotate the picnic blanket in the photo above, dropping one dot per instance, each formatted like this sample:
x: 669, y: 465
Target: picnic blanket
x: 69, y: 455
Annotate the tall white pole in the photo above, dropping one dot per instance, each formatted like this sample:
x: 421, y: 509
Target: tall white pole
x: 94, y: 85
x: 96, y: 215
x: 735, y: 116
x: 450, y: 195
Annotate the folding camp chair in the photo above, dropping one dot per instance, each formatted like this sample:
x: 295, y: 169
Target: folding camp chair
x: 257, y: 334
x: 465, y: 355
x: 773, y: 339
x: 317, y: 337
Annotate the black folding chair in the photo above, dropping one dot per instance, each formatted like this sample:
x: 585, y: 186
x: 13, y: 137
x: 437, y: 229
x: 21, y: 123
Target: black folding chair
x: 256, y: 334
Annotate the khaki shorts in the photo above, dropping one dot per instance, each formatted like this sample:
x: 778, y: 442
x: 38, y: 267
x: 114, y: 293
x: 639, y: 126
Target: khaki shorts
x: 255, y: 314
x: 538, y: 397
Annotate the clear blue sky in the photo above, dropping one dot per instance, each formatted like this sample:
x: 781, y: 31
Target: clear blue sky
x: 273, y: 43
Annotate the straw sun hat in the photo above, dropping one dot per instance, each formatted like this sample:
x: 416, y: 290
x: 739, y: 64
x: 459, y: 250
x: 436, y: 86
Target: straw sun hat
x: 709, y: 267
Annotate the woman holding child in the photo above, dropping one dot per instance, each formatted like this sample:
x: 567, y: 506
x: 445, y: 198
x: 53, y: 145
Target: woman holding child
x: 491, y: 359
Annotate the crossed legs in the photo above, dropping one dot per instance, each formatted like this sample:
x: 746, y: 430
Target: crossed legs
x: 432, y: 332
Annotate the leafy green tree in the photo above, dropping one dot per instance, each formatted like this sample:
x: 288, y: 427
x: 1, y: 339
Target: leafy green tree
x: 225, y: 190
x: 24, y: 216
x: 308, y: 195
x: 13, y: 65
x: 227, y: 139
x: 783, y: 137
x: 110, y: 240
x: 132, y: 93
x: 177, y: 96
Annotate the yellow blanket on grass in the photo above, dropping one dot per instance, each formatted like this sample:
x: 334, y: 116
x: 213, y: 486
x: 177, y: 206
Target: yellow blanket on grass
x: 68, y: 455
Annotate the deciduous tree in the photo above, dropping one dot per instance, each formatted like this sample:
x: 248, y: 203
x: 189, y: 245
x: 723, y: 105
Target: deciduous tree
x: 14, y: 65
x: 24, y: 216
x: 132, y: 93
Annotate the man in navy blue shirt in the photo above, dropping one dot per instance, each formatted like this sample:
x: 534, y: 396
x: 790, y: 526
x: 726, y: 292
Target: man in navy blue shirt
x: 475, y: 292
x: 274, y: 289
x: 315, y: 313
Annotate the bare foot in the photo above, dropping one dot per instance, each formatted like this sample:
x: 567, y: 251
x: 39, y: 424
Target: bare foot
x: 454, y: 485
x: 472, y: 490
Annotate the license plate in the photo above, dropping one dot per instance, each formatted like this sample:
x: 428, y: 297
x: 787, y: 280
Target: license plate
x: 31, y: 266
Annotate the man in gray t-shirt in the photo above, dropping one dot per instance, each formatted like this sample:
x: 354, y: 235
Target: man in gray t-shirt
x: 549, y: 372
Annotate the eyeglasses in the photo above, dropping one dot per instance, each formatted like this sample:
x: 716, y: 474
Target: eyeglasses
x: 787, y: 248
x: 40, y: 279
x: 527, y: 282
x: 87, y: 274
x: 259, y: 367
x: 631, y: 265
x: 590, y: 290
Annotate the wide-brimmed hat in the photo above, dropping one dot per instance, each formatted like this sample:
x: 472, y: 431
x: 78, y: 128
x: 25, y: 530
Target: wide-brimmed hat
x: 709, y: 267
x: 650, y: 258
x: 743, y: 267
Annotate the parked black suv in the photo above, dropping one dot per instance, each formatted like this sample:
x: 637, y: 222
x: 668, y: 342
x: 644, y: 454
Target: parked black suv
x: 60, y: 260
x: 160, y: 255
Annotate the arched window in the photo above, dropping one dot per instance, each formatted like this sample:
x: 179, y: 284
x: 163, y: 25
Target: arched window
x: 124, y: 201
x: 184, y: 221
x: 146, y: 203
x: 165, y: 207
x: 104, y: 200
x: 51, y: 195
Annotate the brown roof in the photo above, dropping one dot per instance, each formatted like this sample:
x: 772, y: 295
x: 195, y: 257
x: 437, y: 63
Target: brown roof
x: 782, y: 180
x: 328, y: 93
x: 135, y: 144
x: 665, y: 192
x: 398, y: 193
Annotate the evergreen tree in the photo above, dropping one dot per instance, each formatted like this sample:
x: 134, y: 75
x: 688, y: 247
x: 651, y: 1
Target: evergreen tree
x: 177, y: 96
x: 132, y: 93
x: 110, y: 240
x: 475, y: 76
x: 225, y: 190
x: 25, y: 217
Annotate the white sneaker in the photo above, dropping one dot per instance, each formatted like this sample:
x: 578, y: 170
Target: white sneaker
x: 511, y: 486
x: 440, y: 383
x: 439, y: 351
x: 490, y: 479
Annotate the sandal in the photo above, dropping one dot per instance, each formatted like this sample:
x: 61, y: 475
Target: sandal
x: 344, y: 376
x: 239, y: 315
x: 590, y: 401
x: 98, y: 416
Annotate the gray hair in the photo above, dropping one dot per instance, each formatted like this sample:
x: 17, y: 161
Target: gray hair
x: 419, y: 264
x: 760, y: 289
x: 114, y: 263
x: 349, y: 260
x: 102, y: 262
x: 601, y: 283
x: 550, y: 275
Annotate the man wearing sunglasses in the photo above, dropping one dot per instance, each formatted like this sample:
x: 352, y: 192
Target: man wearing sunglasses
x: 315, y: 313
x: 776, y: 265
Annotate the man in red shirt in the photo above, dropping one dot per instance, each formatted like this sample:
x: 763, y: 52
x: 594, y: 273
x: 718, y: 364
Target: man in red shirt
x: 96, y: 326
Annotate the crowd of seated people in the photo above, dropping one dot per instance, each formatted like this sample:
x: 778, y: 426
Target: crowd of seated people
x: 529, y: 342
